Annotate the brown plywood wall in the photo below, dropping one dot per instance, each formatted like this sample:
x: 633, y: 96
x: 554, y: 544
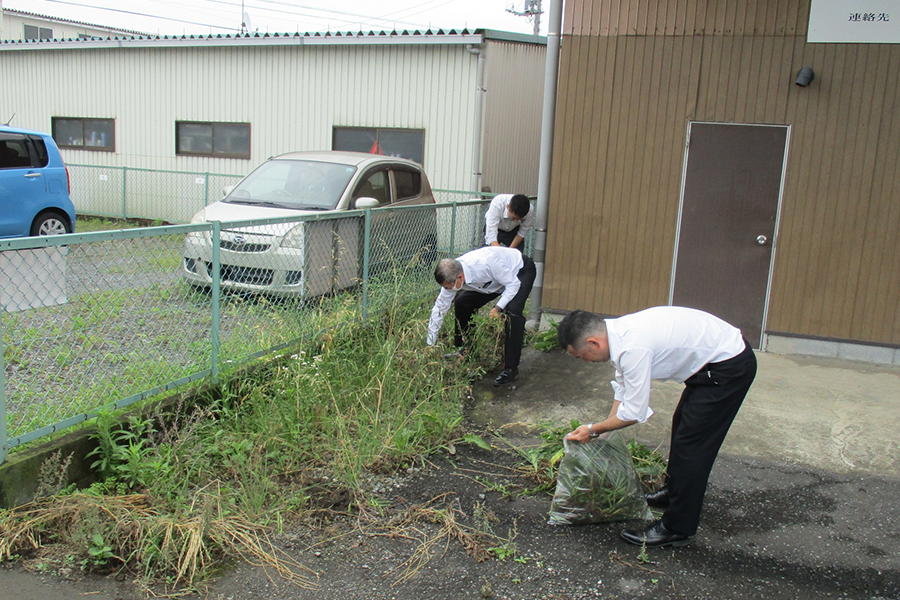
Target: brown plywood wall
x: 624, y: 105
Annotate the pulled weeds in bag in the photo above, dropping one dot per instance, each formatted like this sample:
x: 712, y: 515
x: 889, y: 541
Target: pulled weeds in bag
x: 597, y: 483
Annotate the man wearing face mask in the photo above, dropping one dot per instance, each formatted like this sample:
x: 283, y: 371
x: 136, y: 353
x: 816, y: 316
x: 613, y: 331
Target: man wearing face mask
x: 472, y: 280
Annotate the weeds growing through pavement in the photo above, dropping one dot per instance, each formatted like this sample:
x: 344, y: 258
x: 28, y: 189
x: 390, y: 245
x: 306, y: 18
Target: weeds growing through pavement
x: 650, y: 465
x: 546, y: 340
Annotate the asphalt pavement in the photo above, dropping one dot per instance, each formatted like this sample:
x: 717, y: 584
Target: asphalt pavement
x: 807, y: 481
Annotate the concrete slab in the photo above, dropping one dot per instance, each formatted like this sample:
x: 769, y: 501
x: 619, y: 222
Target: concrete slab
x: 831, y: 414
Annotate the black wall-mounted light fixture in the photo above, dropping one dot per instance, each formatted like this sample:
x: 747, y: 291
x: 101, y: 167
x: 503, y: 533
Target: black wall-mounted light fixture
x: 805, y: 77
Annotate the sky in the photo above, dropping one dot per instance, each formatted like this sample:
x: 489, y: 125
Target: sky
x: 178, y: 17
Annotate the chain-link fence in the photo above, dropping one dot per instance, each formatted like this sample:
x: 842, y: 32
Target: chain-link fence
x: 169, y: 196
x: 127, y: 193
x: 98, y: 321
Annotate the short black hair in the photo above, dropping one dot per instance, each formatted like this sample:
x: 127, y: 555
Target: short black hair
x: 577, y: 326
x: 519, y: 205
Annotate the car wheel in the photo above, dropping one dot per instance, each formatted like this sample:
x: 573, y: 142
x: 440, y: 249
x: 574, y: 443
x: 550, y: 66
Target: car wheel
x: 50, y: 223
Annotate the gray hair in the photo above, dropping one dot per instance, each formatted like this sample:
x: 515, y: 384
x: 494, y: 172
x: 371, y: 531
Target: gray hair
x: 577, y: 326
x: 447, y: 270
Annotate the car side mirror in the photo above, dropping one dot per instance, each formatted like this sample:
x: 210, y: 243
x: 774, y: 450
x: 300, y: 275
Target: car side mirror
x: 227, y: 190
x: 366, y: 202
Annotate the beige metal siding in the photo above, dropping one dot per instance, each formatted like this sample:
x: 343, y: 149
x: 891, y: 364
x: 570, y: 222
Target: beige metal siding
x: 624, y: 105
x: 13, y: 24
x: 291, y: 95
x: 514, y: 78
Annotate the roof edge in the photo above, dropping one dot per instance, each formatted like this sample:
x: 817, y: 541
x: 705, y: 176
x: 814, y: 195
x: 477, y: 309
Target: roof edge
x: 404, y: 37
x: 508, y: 36
x: 25, y: 13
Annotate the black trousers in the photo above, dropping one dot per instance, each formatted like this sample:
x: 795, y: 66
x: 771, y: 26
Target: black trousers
x: 468, y: 302
x: 708, y: 405
x: 506, y: 238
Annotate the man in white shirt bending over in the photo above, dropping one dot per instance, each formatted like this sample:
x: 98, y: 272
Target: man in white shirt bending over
x: 472, y: 280
x: 716, y: 365
x: 508, y: 220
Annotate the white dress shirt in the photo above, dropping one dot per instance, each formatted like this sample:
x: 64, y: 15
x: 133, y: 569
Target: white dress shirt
x: 666, y: 343
x: 487, y: 270
x: 497, y: 217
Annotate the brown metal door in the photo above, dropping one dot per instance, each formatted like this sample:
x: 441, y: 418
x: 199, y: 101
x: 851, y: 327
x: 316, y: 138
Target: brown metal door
x: 732, y: 184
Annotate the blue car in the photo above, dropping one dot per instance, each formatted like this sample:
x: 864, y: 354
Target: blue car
x: 34, y: 185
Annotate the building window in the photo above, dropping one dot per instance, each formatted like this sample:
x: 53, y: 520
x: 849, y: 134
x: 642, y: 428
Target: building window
x: 222, y: 140
x: 405, y: 143
x: 85, y: 134
x: 33, y: 32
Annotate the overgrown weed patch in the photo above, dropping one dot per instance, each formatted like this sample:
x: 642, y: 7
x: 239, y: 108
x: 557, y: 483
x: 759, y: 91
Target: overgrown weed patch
x: 180, y: 495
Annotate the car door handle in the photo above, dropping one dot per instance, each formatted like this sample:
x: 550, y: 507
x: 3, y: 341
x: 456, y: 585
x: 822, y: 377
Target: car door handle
x: 32, y: 175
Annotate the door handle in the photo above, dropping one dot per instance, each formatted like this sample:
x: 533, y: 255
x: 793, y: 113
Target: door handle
x: 762, y: 240
x: 32, y: 175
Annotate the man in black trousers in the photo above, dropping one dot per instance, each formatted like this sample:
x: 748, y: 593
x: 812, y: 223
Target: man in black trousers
x: 472, y: 280
x: 715, y: 363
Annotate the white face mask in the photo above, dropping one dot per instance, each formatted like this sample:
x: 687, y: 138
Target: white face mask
x: 458, y: 285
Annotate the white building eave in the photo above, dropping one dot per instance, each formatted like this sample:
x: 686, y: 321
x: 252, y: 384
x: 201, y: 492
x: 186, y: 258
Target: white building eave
x: 414, y: 38
x: 48, y: 18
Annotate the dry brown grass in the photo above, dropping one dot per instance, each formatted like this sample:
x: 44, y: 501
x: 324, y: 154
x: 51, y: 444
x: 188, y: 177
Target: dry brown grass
x: 417, y: 523
x: 183, y: 548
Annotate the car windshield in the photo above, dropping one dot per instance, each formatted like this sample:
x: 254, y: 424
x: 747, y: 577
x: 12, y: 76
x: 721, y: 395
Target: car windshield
x: 294, y: 184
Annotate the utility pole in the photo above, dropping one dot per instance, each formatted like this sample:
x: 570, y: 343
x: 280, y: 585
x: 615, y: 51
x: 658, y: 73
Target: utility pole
x: 532, y: 11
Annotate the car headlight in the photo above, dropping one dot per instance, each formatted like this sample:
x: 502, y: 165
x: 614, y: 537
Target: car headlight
x: 198, y: 219
x: 293, y: 238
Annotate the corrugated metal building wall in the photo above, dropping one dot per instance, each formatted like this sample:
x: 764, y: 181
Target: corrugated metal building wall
x: 12, y: 26
x: 292, y: 91
x: 512, y: 132
x: 635, y: 73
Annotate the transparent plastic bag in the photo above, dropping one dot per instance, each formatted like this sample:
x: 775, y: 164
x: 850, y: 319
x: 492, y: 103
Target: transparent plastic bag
x: 597, y: 483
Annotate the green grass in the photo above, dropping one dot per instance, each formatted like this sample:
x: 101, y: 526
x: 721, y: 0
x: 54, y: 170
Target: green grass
x: 354, y: 397
x: 92, y: 224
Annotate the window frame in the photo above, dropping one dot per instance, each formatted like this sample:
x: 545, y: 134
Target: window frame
x: 377, y: 134
x: 213, y: 153
x: 40, y: 33
x: 416, y: 179
x: 61, y: 144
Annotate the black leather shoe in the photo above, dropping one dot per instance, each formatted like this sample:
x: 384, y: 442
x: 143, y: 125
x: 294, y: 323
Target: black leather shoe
x: 506, y: 376
x: 658, y: 499
x: 655, y: 536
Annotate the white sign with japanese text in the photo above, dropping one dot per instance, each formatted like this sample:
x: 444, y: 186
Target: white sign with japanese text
x: 854, y: 22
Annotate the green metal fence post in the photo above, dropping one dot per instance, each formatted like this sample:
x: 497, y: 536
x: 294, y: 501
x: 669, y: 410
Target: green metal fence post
x: 205, y: 192
x: 453, y: 230
x: 367, y: 236
x: 124, y: 190
x: 4, y: 450
x: 216, y: 290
